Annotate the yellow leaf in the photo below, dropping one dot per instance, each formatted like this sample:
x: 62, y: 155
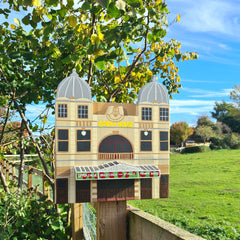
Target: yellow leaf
x: 149, y: 73
x: 12, y: 26
x: 39, y: 97
x: 101, y: 36
x: 72, y: 20
x: 16, y: 21
x: 178, y: 17
x: 117, y: 80
x: 49, y: 16
x: 102, y: 16
x: 106, y: 92
x: 83, y: 17
x: 48, y: 44
x: 36, y: 3
x: 94, y: 38
x: 44, y: 120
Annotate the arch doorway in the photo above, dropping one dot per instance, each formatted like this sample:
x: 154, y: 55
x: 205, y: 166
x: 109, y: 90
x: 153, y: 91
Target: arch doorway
x: 115, y: 147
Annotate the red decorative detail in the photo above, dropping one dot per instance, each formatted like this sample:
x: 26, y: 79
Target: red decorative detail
x: 111, y: 175
x: 102, y: 175
x: 120, y: 174
x: 142, y: 174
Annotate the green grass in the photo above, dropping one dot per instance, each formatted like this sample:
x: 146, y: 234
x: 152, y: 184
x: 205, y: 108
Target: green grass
x: 204, y: 194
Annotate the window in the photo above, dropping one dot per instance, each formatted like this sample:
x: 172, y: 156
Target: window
x: 146, y: 114
x: 62, y: 110
x: 146, y: 141
x: 82, y: 111
x: 163, y: 141
x: 83, y: 140
x: 63, y: 140
x: 61, y: 190
x: 115, y: 144
x: 164, y: 114
x: 83, y: 191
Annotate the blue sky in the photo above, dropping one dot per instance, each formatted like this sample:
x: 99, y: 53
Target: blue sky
x: 211, y: 28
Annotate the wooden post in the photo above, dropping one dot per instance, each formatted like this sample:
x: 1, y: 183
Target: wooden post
x: 46, y: 190
x: 112, y: 220
x: 7, y: 169
x: 30, y: 177
x: 13, y: 173
x: 77, y: 221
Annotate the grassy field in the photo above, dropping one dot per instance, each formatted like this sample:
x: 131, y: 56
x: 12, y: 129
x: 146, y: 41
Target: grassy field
x: 204, y: 194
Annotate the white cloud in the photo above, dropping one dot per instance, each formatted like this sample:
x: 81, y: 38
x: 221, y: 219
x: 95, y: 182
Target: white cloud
x: 202, y: 93
x: 215, y: 16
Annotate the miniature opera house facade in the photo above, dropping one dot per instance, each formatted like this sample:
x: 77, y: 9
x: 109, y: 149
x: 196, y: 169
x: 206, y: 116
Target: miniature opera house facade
x: 110, y: 151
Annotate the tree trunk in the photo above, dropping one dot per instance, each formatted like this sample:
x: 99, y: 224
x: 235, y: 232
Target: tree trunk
x: 3, y: 180
x: 21, y: 166
x: 34, y: 142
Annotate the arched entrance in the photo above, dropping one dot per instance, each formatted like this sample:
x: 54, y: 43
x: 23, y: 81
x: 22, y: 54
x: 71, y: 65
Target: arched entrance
x: 115, y: 147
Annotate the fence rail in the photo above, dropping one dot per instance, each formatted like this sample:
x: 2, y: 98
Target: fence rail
x: 32, y: 177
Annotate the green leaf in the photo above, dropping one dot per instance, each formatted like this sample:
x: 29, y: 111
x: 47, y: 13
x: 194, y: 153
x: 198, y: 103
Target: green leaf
x: 55, y: 225
x: 103, y: 3
x: 15, y: 55
x: 100, y: 65
x: 113, y: 11
x: 70, y: 3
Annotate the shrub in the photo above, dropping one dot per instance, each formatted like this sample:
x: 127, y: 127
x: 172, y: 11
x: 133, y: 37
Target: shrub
x: 196, y: 149
x: 26, y: 216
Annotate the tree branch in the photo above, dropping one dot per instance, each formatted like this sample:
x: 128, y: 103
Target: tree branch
x: 90, y: 60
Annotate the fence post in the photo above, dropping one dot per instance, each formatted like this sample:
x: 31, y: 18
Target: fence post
x: 46, y: 190
x: 7, y: 169
x: 30, y: 177
x: 77, y: 221
x: 13, y: 173
x: 112, y: 220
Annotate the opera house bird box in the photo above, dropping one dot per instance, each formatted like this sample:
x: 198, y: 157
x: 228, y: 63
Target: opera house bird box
x: 111, y: 151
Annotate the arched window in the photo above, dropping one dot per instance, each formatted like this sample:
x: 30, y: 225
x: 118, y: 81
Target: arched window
x: 115, y: 144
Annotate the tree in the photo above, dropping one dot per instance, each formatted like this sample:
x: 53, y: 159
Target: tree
x: 205, y: 132
x: 179, y: 132
x: 227, y: 113
x: 114, y: 45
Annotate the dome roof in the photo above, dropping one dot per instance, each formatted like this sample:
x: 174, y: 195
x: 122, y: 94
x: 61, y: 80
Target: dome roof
x: 153, y: 92
x: 74, y: 87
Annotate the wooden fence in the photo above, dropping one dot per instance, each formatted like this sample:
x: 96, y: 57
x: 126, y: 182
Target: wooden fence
x: 9, y: 171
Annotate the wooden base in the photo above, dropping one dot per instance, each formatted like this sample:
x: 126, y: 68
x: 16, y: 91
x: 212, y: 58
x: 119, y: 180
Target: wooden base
x: 77, y: 221
x: 111, y: 220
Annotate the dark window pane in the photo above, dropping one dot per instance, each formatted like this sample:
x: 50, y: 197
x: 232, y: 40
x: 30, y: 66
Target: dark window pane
x: 146, y: 135
x: 82, y: 191
x: 83, y: 146
x: 163, y: 114
x: 83, y: 135
x: 63, y: 146
x: 163, y: 136
x: 146, y: 188
x: 62, y: 190
x: 62, y: 110
x: 83, y: 111
x: 62, y: 134
x: 146, y: 146
x: 163, y: 146
x: 146, y: 114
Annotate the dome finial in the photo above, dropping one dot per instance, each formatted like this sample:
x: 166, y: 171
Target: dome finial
x: 74, y: 72
x: 154, y: 78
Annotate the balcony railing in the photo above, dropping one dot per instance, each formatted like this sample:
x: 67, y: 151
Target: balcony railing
x: 111, y: 156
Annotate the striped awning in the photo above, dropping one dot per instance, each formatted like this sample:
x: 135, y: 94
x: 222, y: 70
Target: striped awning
x: 116, y: 170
